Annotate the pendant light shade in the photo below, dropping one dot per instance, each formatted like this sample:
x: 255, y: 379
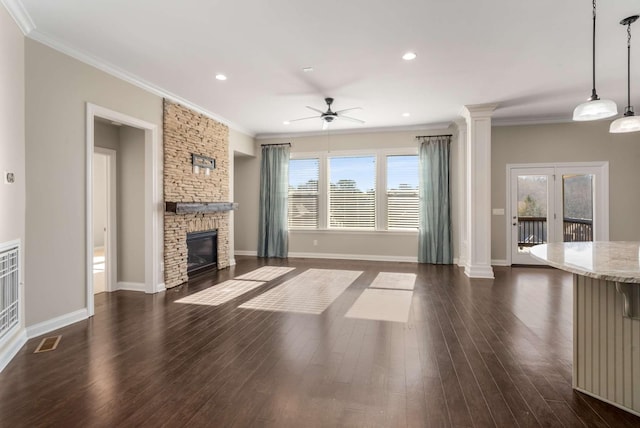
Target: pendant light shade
x: 594, y: 108
x: 629, y: 122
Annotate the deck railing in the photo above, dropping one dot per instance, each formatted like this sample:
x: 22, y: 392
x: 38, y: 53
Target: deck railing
x: 533, y: 230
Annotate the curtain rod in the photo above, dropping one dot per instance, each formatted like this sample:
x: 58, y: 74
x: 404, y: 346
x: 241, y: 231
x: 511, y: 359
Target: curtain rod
x: 280, y: 144
x: 429, y: 136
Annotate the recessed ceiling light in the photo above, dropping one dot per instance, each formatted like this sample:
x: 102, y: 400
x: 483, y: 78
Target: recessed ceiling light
x: 406, y: 114
x: 409, y: 56
x: 307, y: 69
x: 221, y: 77
x: 286, y: 122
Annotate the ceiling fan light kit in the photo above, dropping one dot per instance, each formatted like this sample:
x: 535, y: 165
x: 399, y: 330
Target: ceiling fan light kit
x: 329, y: 116
x: 594, y: 108
x: 629, y: 122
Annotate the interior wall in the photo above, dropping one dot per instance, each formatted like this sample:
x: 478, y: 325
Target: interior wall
x: 57, y: 90
x: 99, y: 199
x: 570, y: 142
x: 130, y: 205
x: 12, y: 147
x: 370, y: 244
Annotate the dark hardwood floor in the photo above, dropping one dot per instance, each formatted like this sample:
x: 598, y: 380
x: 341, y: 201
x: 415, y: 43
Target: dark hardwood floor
x: 475, y: 353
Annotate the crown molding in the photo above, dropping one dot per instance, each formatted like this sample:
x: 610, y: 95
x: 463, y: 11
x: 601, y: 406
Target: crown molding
x: 410, y: 128
x: 530, y: 121
x: 19, y: 14
x: 121, y: 74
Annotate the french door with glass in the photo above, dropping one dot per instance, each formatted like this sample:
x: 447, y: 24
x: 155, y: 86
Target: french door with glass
x: 556, y: 203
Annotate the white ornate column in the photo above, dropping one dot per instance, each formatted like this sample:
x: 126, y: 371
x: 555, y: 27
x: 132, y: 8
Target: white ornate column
x: 459, y: 179
x: 478, y: 190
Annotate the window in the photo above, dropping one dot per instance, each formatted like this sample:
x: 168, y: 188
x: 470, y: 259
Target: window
x: 352, y: 192
x: 303, y: 193
x: 403, y: 200
x: 372, y: 190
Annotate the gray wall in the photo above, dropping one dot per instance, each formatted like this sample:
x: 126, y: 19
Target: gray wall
x: 128, y: 143
x: 99, y: 199
x: 383, y: 244
x: 57, y: 90
x: 131, y: 205
x: 570, y: 142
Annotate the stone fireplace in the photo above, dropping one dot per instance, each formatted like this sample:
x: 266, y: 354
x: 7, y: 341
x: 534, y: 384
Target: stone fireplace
x: 190, y: 196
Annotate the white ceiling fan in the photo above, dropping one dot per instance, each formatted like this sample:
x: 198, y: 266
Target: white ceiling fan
x: 329, y: 116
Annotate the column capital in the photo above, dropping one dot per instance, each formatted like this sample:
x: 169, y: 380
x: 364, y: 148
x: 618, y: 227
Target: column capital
x: 478, y: 110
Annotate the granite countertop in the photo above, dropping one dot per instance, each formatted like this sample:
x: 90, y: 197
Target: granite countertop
x: 611, y: 261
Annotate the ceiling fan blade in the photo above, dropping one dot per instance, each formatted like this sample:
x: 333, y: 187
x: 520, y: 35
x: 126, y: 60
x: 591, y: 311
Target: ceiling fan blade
x: 325, y: 125
x: 304, y: 118
x: 315, y: 109
x: 352, y: 119
x: 348, y: 109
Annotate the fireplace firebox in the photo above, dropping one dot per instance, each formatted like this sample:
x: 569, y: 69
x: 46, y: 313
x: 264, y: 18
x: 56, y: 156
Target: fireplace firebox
x: 202, y: 251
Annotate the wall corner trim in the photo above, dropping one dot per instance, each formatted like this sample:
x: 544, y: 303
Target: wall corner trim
x: 56, y: 323
x: 12, y: 348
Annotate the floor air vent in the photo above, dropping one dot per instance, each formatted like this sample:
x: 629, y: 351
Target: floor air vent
x: 48, y: 344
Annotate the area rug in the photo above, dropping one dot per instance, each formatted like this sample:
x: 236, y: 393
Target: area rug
x: 265, y: 273
x: 221, y: 293
x: 311, y: 292
x: 382, y: 305
x: 394, y: 281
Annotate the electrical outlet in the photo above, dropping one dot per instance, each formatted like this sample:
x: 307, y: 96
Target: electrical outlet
x: 315, y: 242
x: 9, y: 177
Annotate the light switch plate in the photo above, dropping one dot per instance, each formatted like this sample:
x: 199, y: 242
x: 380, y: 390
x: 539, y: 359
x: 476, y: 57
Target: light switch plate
x: 498, y: 211
x: 9, y: 177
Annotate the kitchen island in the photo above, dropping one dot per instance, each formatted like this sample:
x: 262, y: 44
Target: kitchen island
x: 606, y: 316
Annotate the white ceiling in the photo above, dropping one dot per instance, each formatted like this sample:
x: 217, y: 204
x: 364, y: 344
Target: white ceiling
x: 533, y: 58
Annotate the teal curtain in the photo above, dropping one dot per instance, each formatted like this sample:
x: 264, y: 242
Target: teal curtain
x: 434, y: 237
x: 273, y: 239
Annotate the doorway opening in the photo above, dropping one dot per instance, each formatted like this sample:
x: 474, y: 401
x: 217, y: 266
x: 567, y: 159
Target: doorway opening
x: 104, y: 220
x: 149, y: 195
x: 555, y: 203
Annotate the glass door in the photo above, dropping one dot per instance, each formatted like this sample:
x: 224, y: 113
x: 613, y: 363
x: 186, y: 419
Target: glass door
x: 531, y: 211
x: 556, y: 203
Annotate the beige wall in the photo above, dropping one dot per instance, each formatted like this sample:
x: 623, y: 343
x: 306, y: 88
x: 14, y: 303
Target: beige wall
x: 130, y: 205
x: 12, y: 157
x: 57, y: 90
x: 12, y: 148
x: 373, y: 245
x: 571, y: 142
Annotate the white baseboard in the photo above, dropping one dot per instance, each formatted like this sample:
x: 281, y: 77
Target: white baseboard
x: 160, y: 288
x: 479, y: 271
x: 245, y: 253
x: 11, y: 348
x: 365, y: 257
x: 131, y: 286
x: 499, y: 262
x: 56, y: 323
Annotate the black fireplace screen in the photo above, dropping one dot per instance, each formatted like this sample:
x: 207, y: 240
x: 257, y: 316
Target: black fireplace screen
x: 202, y: 251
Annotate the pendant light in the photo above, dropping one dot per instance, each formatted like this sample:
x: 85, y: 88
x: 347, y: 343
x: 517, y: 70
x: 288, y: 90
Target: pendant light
x: 629, y: 122
x: 594, y: 108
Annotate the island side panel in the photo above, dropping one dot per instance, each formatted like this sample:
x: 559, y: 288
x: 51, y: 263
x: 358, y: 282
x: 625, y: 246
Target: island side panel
x: 606, y: 344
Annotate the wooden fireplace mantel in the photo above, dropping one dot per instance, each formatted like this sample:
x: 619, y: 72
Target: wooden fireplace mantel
x: 199, y: 207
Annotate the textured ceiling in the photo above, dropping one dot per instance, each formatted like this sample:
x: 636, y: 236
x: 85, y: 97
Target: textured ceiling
x: 532, y: 58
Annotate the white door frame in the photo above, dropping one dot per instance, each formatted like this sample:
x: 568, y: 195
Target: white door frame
x: 111, y: 241
x: 601, y: 200
x: 153, y: 198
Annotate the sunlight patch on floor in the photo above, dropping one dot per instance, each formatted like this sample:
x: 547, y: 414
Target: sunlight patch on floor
x: 266, y: 273
x: 221, y: 293
x: 382, y: 305
x: 311, y: 292
x: 394, y: 281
